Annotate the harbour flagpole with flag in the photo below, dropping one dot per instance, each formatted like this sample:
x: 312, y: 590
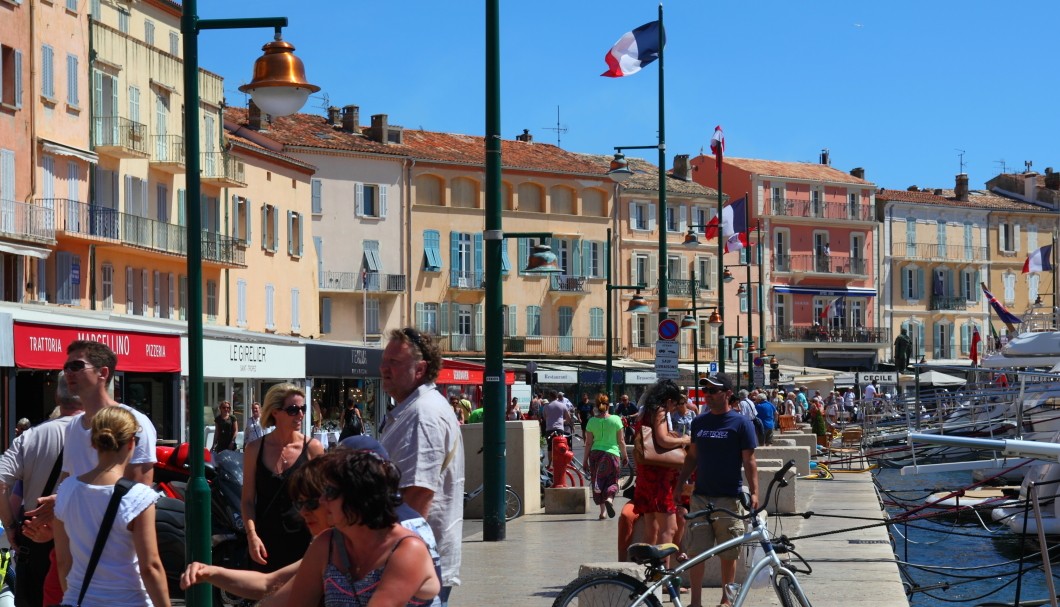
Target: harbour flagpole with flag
x: 1010, y: 319
x: 974, y: 352
x: 733, y: 225
x: 1039, y: 260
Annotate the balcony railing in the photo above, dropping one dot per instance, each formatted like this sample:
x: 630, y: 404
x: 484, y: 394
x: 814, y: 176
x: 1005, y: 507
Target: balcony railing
x: 940, y: 252
x: 222, y: 167
x: 466, y: 280
x: 941, y: 302
x: 77, y: 218
x: 22, y: 220
x: 820, y: 333
x: 824, y: 264
x: 168, y: 150
x: 371, y: 282
x: 680, y: 287
x: 550, y: 345
x: 822, y: 210
x: 120, y: 133
x: 568, y: 284
x: 645, y: 351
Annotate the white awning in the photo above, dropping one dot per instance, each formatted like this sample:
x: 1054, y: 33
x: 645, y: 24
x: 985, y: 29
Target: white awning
x: 22, y: 249
x: 50, y: 147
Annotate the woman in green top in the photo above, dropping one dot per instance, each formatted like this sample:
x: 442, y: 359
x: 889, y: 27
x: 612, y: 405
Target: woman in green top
x: 605, y: 448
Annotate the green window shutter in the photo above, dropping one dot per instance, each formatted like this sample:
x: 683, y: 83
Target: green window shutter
x: 506, y: 264
x: 290, y: 232
x: 478, y: 258
x: 264, y: 226
x: 454, y: 257
x: 419, y: 316
x: 513, y: 321
x: 919, y: 283
x: 523, y: 254
x: 275, y: 229
x: 576, y: 253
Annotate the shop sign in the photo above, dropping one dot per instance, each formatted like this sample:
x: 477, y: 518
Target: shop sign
x: 640, y: 377
x: 238, y: 359
x: 468, y: 377
x: 44, y: 347
x: 557, y: 377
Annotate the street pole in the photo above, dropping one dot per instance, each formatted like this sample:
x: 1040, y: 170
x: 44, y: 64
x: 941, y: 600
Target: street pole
x: 494, y: 394
x: 750, y: 298
x: 609, y: 387
x: 695, y: 339
x: 761, y: 293
x: 664, y: 310
x: 721, y: 273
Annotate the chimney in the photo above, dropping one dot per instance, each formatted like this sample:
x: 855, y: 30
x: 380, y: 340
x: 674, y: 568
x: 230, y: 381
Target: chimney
x: 333, y: 116
x: 526, y: 137
x: 351, y: 116
x: 912, y: 188
x: 858, y: 172
x: 937, y: 191
x: 378, y: 130
x: 1052, y: 179
x: 961, y: 189
x: 1030, y: 185
x: 825, y: 159
x: 682, y: 170
x: 254, y: 116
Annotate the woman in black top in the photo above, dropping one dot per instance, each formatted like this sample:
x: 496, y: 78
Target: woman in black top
x: 225, y: 428
x: 352, y: 424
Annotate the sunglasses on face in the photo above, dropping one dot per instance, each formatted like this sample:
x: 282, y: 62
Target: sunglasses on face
x: 308, y: 504
x: 712, y: 390
x: 76, y: 365
x: 294, y: 410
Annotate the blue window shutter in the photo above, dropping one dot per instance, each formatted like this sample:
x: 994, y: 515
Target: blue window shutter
x: 275, y: 229
x: 576, y: 251
x: 317, y: 187
x: 965, y: 340
x: 976, y: 288
x: 264, y: 226
x: 18, y: 78
x: 419, y: 316
x: 513, y: 321
x: 301, y: 233
x: 443, y: 318
x: 318, y: 245
x: 382, y: 201
x: 919, y: 283
x: 523, y: 254
x: 506, y: 264
x: 325, y: 315
x: 358, y: 200
x: 478, y: 257
x: 454, y: 257
x: 246, y: 208
x: 587, y: 258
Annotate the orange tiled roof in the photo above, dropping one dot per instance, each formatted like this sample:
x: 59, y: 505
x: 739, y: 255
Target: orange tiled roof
x: 254, y: 146
x: 793, y: 170
x: 313, y: 131
x: 645, y: 177
x: 981, y: 199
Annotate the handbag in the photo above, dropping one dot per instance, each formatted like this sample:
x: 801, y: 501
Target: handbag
x: 120, y: 489
x: 647, y: 451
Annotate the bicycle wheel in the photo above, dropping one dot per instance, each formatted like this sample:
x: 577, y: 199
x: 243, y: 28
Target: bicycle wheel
x: 513, y: 504
x: 785, y: 585
x: 575, y: 478
x: 604, y: 589
x: 627, y: 475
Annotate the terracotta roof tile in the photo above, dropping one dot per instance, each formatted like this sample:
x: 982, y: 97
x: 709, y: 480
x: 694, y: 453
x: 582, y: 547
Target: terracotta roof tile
x: 310, y: 130
x: 794, y: 170
x: 645, y: 177
x: 981, y: 199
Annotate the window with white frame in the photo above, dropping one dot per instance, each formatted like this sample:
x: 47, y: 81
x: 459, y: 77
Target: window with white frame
x: 641, y: 330
x: 777, y: 196
x: 183, y: 297
x: 701, y: 216
x: 10, y: 77
x: 241, y: 303
x: 123, y: 21
x: 1007, y: 234
x: 270, y: 220
x: 970, y: 285
x: 1009, y: 281
x: 130, y: 290
x: 428, y: 318
x: 370, y: 200
x: 781, y: 313
x: 675, y: 218
x: 107, y: 286
x: 296, y: 322
x: 782, y: 250
x: 1032, y: 286
x: 816, y: 206
x: 676, y: 268
x: 854, y: 204
x: 174, y: 44
x: 294, y: 234
x: 149, y: 32
x: 533, y: 321
x: 372, y: 316
x: 912, y: 282
x: 705, y: 272
x: 241, y: 219
x: 641, y: 269
x: 596, y: 323
x: 639, y: 216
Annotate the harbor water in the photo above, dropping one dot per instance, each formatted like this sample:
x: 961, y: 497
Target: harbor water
x: 969, y: 561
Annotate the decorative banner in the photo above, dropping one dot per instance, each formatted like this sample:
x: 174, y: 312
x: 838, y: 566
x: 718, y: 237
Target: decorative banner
x: 44, y: 347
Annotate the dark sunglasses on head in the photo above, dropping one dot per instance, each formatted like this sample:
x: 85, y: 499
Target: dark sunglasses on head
x: 417, y: 338
x: 76, y: 365
x: 308, y: 504
x: 294, y: 410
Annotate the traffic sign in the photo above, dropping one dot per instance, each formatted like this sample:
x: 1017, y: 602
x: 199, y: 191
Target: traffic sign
x: 759, y: 375
x: 668, y: 329
x: 666, y: 355
x: 712, y: 367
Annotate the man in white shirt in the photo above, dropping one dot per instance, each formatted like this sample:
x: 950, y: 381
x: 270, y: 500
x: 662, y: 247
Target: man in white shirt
x: 747, y: 408
x: 254, y: 430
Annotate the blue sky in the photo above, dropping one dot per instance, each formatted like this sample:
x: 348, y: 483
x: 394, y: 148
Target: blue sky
x: 896, y: 87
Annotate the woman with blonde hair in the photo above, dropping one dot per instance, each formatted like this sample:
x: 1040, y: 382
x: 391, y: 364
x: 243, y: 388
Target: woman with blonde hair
x: 128, y: 571
x: 276, y: 534
x: 605, y: 451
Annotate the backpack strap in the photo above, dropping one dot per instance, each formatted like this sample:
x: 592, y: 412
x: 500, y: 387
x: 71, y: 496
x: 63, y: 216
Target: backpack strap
x: 57, y: 467
x: 120, y: 489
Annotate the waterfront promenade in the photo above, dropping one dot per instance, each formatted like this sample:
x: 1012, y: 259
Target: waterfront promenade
x: 542, y: 552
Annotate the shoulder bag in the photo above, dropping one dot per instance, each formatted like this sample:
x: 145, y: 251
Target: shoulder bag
x: 120, y: 489
x: 647, y: 451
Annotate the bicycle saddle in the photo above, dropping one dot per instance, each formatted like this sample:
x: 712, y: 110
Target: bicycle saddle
x: 644, y: 554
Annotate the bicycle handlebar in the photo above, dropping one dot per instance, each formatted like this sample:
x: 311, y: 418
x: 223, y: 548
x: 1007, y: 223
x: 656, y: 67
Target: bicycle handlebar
x: 778, y: 479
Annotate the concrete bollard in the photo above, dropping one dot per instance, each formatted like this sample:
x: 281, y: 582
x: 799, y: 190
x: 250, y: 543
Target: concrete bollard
x: 786, y: 499
x: 801, y: 455
x: 803, y: 440
x: 567, y: 500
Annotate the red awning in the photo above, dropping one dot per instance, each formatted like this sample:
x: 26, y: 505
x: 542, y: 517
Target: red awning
x: 464, y: 373
x: 44, y: 347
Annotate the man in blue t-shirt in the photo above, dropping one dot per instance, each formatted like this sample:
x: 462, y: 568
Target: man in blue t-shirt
x: 723, y: 445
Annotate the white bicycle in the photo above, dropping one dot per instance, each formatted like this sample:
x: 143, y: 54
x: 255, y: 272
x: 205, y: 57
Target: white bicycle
x: 616, y: 589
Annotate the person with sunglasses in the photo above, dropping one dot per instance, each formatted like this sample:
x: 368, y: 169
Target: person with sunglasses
x: 723, y: 446
x: 276, y: 534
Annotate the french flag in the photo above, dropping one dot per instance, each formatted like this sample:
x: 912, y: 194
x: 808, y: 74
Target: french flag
x: 733, y: 225
x: 717, y: 146
x: 635, y: 50
x: 1040, y: 260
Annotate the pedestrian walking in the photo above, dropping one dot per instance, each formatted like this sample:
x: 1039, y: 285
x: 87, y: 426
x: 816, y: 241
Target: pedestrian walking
x: 254, y: 430
x: 605, y: 451
x: 352, y: 422
x: 225, y: 428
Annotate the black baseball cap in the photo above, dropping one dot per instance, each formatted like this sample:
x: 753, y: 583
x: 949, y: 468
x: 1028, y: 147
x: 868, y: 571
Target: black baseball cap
x: 721, y: 380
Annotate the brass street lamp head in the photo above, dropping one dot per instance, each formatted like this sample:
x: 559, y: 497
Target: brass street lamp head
x: 638, y: 305
x: 279, y: 86
x: 619, y: 171
x: 715, y: 319
x: 727, y: 275
x: 691, y: 240
x: 688, y: 322
x: 542, y: 261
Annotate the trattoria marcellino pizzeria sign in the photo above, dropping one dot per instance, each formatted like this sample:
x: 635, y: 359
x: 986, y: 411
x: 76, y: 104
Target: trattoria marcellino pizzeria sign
x: 44, y: 347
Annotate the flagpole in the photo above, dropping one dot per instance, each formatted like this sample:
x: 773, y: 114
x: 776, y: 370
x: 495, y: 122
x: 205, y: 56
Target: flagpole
x: 721, y: 263
x: 664, y: 306
x: 750, y: 298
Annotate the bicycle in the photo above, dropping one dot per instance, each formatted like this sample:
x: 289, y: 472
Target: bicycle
x: 513, y: 504
x: 613, y: 588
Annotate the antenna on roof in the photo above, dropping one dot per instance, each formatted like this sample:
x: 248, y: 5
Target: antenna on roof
x: 1004, y: 167
x: 325, y: 101
x: 1028, y: 164
x: 559, y: 128
x: 960, y: 157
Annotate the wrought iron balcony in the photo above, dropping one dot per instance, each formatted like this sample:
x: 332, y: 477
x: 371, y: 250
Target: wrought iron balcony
x: 119, y: 136
x: 94, y: 222
x: 822, y: 210
x: 943, y: 302
x: 822, y: 264
x: 550, y: 345
x: 223, y: 169
x: 474, y: 281
x: 680, y: 287
x: 370, y: 282
x: 938, y: 252
x: 822, y: 333
x: 167, y: 153
x: 568, y: 284
x: 27, y: 221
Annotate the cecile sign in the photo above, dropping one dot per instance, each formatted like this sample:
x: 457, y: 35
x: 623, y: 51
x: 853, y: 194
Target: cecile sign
x: 44, y: 347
